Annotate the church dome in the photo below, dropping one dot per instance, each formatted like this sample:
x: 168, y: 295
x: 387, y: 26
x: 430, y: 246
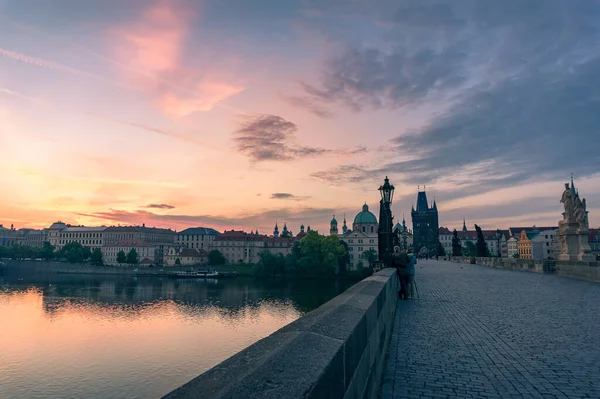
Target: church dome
x: 365, y: 217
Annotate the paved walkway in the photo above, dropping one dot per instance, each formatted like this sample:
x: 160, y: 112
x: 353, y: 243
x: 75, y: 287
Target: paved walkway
x: 478, y: 332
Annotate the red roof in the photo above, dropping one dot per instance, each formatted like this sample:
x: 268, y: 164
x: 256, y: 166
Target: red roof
x: 239, y: 236
x: 444, y: 230
x: 146, y: 261
x: 131, y: 244
x: 193, y: 253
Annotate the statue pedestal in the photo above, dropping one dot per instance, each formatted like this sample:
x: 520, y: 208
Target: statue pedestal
x: 574, y: 242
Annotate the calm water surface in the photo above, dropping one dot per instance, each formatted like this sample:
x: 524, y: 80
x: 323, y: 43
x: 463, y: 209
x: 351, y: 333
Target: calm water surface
x: 76, y: 336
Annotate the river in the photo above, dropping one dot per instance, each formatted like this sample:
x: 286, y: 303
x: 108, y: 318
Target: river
x: 86, y: 336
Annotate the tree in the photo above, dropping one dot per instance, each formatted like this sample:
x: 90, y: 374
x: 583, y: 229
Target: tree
x: 481, y: 246
x: 469, y: 249
x: 344, y: 260
x: 177, y: 261
x: 516, y: 256
x: 74, y: 252
x: 132, y: 257
x: 47, y: 251
x: 270, y: 265
x: 97, y: 257
x: 441, y: 251
x: 121, y: 257
x: 215, y: 257
x: 370, y: 255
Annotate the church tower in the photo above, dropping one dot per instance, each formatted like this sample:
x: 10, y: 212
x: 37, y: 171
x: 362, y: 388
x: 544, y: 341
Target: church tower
x: 464, y: 225
x: 344, y: 227
x: 276, y: 231
x: 425, y: 220
x: 333, y: 230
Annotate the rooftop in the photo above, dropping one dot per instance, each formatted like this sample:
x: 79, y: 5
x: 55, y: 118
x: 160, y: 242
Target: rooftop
x: 130, y: 244
x: 137, y: 229
x: 83, y: 229
x: 199, y: 231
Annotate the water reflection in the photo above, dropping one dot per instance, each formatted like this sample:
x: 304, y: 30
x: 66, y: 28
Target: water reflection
x: 118, y: 337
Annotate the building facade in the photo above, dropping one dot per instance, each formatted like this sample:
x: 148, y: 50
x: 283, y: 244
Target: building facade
x: 8, y: 236
x: 404, y: 235
x: 361, y: 238
x: 196, y: 238
x: 593, y: 241
x: 186, y: 256
x: 512, y: 245
x: 445, y: 237
x: 544, y: 244
x: 35, y: 238
x: 425, y: 226
x: 148, y: 254
x: 144, y: 237
x: 525, y: 247
x: 239, y: 246
x: 90, y: 237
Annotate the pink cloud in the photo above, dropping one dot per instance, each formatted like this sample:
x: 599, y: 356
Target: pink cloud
x: 150, y: 52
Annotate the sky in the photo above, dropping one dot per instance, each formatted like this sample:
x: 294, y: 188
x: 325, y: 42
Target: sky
x: 240, y: 114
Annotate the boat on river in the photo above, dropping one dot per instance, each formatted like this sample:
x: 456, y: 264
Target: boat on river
x: 201, y: 274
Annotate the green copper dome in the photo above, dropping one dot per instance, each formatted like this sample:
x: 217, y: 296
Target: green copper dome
x: 365, y: 217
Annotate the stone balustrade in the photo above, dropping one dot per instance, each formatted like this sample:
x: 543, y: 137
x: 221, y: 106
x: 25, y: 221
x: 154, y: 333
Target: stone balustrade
x: 336, y: 351
x: 589, y: 271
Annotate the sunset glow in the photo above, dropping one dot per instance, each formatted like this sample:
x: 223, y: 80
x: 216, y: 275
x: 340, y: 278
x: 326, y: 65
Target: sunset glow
x: 213, y: 107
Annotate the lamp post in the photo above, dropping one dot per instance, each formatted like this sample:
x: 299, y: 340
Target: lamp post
x: 385, y: 230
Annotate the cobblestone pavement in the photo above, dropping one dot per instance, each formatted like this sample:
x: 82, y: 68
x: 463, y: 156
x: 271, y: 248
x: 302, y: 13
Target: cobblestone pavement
x: 478, y: 332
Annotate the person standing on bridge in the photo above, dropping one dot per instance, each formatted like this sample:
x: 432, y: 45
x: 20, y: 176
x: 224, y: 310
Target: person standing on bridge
x: 400, y: 261
x: 411, y: 274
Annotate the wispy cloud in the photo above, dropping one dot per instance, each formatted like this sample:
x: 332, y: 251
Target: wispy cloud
x: 288, y: 196
x: 159, y: 206
x: 150, y: 52
x: 141, y: 126
x: 61, y: 68
x: 308, y: 104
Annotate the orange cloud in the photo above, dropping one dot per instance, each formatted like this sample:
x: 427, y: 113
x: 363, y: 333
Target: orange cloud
x: 150, y: 52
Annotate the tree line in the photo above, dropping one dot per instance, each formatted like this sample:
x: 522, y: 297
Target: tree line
x: 72, y: 252
x: 314, y: 256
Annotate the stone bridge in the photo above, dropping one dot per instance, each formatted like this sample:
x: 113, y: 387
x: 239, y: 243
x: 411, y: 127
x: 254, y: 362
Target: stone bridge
x: 474, y: 332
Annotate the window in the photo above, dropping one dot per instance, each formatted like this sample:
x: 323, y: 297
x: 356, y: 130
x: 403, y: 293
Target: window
x: 372, y: 229
x: 364, y: 229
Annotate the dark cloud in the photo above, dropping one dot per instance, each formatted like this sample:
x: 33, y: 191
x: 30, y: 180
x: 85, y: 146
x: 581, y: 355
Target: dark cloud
x: 309, y: 105
x: 520, y: 81
x: 270, y: 138
x: 288, y: 196
x: 159, y: 206
x: 376, y: 78
x: 306, y: 215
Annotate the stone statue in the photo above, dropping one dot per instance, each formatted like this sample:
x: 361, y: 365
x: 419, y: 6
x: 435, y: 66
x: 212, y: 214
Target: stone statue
x: 568, y: 202
x: 573, y: 230
x: 580, y: 213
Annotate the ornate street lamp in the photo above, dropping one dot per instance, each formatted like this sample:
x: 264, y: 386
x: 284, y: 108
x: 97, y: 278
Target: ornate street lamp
x: 385, y: 231
x: 387, y: 191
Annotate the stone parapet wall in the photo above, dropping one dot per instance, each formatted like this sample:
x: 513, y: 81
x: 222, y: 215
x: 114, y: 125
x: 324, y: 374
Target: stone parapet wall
x: 589, y: 271
x: 336, y: 351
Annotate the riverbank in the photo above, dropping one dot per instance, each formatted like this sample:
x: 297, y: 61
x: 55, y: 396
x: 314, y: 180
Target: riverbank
x: 42, y: 267
x: 69, y: 268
